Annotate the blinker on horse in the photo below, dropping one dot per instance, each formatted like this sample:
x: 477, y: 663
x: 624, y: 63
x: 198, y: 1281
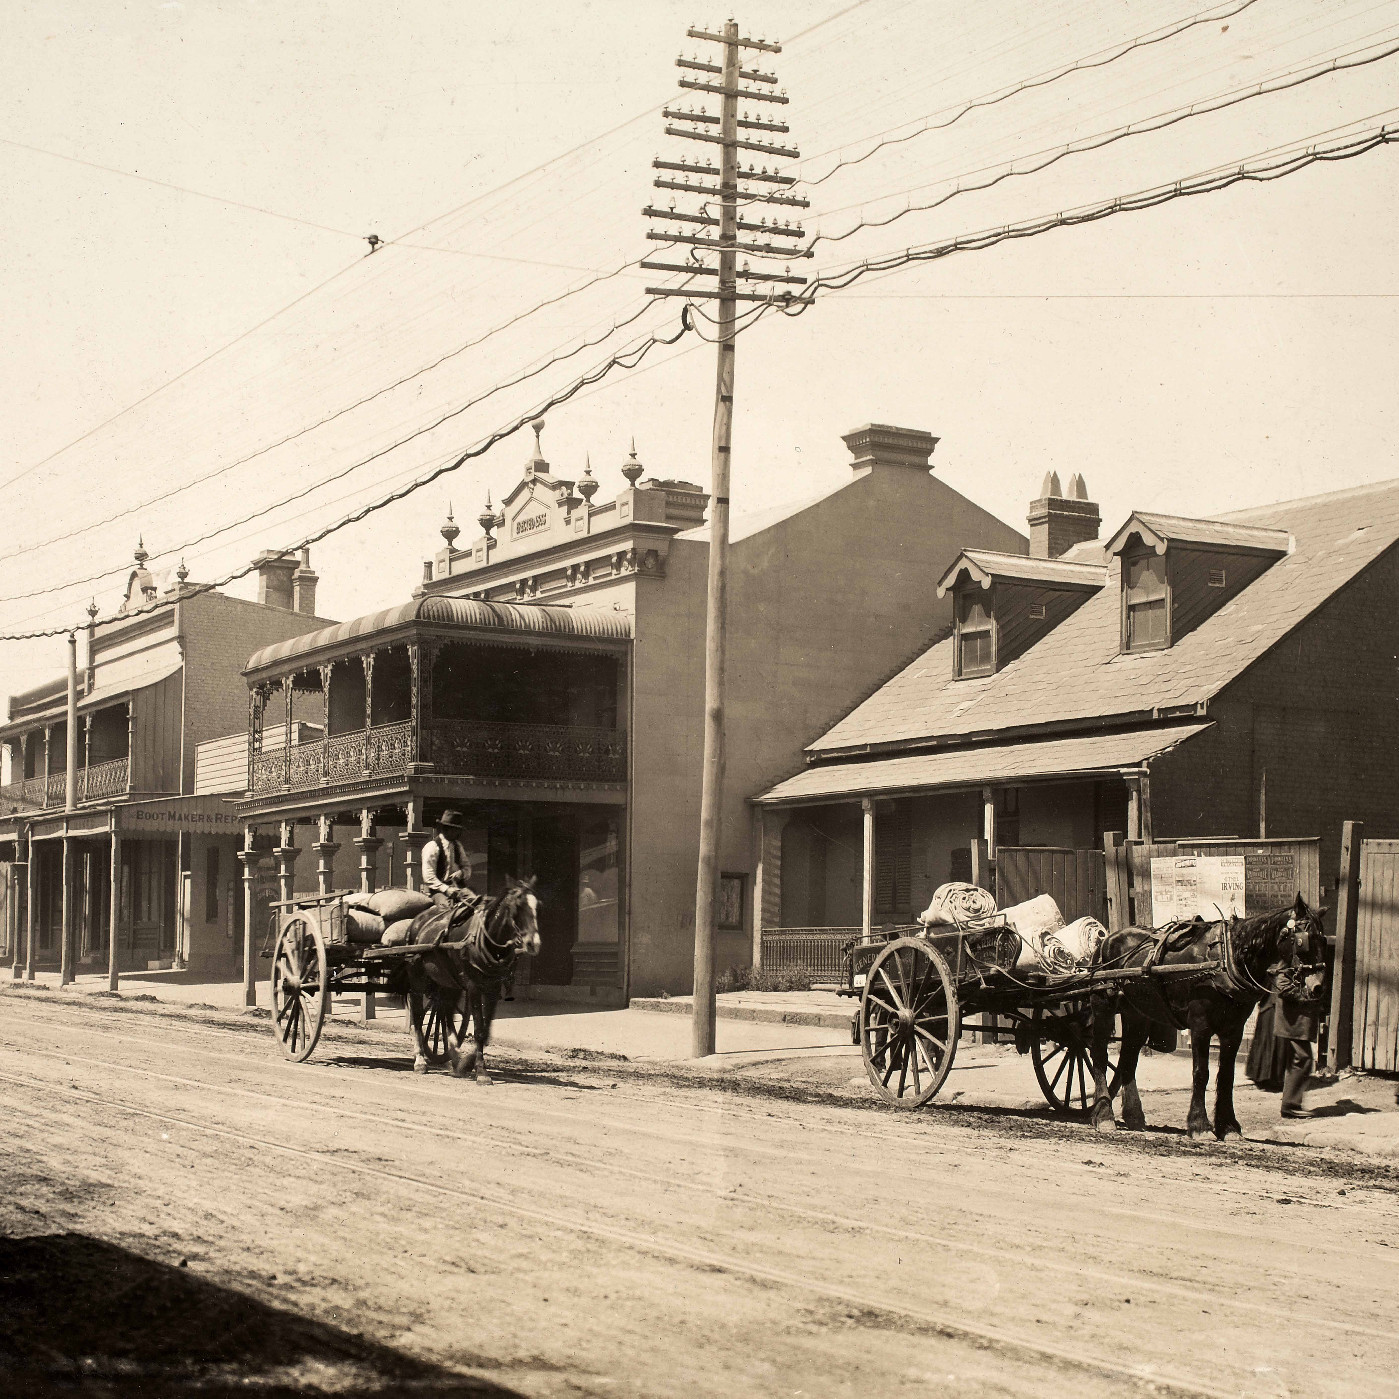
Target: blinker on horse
x: 1242, y: 961
x: 472, y: 953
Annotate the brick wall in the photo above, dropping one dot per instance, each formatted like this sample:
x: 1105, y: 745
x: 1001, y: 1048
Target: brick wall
x: 220, y: 634
x: 1318, y: 714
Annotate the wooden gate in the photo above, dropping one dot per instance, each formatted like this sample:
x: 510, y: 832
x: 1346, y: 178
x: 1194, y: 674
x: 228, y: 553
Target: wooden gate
x: 1075, y: 878
x: 1375, y: 1037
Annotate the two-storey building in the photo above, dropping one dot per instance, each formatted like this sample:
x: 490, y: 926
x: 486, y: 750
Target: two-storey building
x: 139, y: 852
x: 546, y: 679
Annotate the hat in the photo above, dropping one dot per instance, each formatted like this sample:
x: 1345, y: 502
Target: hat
x: 450, y: 819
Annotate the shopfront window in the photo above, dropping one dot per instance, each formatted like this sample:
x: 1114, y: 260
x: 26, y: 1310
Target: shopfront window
x: 597, y: 881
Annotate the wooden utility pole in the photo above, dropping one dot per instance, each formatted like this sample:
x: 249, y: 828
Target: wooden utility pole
x: 728, y: 193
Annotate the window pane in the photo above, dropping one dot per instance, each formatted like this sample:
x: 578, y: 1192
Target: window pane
x: 975, y: 651
x: 1146, y: 624
x: 974, y: 608
x: 1146, y: 578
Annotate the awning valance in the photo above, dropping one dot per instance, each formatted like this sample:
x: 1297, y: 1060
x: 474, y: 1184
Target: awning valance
x: 1080, y: 756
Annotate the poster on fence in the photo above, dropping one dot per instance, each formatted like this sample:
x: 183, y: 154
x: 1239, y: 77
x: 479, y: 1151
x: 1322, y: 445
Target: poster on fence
x: 1185, y: 885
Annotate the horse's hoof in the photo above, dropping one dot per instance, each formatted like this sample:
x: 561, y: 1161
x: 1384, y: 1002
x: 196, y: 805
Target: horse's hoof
x: 1133, y: 1124
x: 1105, y: 1124
x: 419, y: 1066
x: 1232, y: 1130
x: 483, y: 1077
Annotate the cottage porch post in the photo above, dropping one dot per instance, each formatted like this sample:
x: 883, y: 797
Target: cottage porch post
x: 867, y: 871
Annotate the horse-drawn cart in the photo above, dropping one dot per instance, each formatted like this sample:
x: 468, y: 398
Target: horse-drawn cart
x: 314, y: 958
x: 918, y: 985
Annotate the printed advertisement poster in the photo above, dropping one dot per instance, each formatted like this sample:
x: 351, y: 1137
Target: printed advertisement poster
x: 1186, y: 885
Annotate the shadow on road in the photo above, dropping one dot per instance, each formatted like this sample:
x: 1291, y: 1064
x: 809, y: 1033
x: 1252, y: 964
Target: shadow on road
x: 81, y: 1316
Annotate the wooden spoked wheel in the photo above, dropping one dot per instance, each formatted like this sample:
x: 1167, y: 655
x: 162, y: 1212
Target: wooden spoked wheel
x: 437, y: 1013
x: 1062, y: 1051
x: 909, y: 1022
x: 299, y: 996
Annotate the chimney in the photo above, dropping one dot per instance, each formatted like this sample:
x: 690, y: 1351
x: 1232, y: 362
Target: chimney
x: 877, y: 444
x: 1059, y: 521
x: 274, y: 585
x: 303, y: 587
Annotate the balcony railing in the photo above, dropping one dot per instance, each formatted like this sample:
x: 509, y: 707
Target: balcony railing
x: 458, y: 748
x: 100, y: 782
x: 541, y: 751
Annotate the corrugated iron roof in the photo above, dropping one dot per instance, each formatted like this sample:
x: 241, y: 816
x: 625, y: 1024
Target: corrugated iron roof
x: 970, y: 767
x: 527, y: 619
x: 1077, y: 672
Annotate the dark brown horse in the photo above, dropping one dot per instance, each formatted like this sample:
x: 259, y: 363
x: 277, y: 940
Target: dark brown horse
x: 466, y: 974
x: 1245, y: 959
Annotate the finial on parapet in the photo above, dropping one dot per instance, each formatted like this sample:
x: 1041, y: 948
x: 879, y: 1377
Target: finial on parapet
x: 587, y: 486
x: 450, y: 530
x: 486, y: 519
x: 631, y: 468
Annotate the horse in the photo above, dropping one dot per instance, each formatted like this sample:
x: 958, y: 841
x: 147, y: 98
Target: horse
x: 1280, y: 952
x: 492, y: 933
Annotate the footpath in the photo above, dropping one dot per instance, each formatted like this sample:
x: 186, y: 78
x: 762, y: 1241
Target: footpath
x: 800, y: 1041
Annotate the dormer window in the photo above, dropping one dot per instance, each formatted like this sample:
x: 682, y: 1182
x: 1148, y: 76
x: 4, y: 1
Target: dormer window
x: 1176, y: 573
x: 1004, y: 603
x: 1145, y: 603
x: 976, y: 647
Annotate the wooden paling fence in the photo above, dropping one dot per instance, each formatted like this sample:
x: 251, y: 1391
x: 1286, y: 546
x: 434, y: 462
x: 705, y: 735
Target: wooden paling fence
x: 1365, y: 984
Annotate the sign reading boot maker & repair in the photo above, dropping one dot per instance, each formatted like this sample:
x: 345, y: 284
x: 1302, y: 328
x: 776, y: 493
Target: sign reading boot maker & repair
x: 1184, y: 886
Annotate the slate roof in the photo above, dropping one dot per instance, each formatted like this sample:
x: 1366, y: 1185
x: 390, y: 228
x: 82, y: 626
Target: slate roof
x: 1077, y: 673
x: 987, y: 762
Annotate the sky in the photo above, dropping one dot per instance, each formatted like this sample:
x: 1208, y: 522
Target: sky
x: 196, y: 332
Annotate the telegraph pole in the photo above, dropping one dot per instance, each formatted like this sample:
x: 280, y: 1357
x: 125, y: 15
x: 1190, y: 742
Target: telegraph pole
x: 729, y: 88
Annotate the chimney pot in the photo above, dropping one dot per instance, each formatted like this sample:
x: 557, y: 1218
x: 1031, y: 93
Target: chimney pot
x: 304, y: 587
x: 1057, y: 521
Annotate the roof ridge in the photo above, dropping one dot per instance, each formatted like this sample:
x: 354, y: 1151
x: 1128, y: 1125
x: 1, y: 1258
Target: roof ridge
x: 1345, y: 493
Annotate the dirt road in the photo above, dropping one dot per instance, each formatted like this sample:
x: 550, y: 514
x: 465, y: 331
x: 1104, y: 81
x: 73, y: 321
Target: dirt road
x: 181, y: 1204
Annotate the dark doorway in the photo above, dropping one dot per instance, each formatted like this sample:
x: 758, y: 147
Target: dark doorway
x: 555, y: 841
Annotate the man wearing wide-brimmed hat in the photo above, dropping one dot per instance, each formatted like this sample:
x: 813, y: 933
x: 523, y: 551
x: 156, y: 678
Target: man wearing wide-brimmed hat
x: 446, y: 865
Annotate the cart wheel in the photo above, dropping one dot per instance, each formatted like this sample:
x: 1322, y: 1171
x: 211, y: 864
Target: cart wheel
x: 435, y: 1014
x: 1062, y: 1051
x: 299, y: 996
x: 909, y: 1021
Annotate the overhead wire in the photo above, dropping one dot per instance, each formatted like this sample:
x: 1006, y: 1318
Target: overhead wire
x: 1100, y: 59
x: 626, y: 359
x: 1146, y: 126
x: 475, y: 200
x: 321, y: 482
